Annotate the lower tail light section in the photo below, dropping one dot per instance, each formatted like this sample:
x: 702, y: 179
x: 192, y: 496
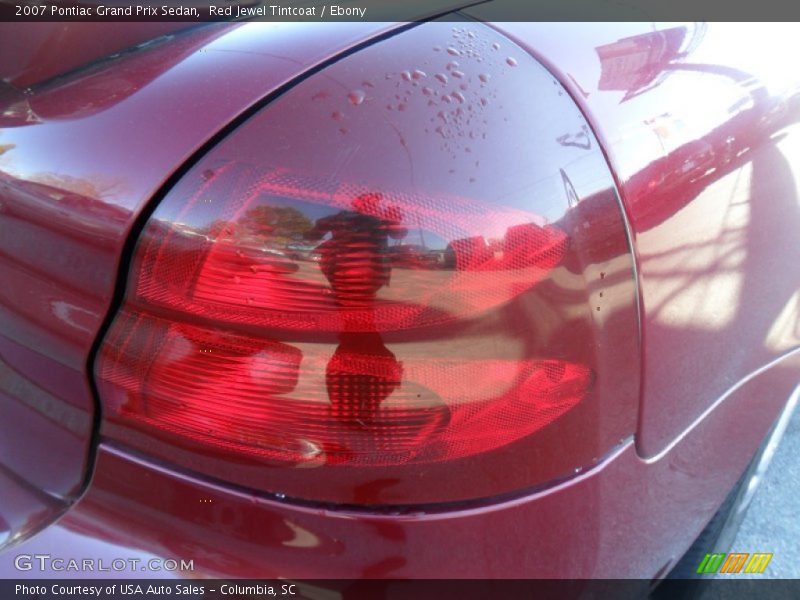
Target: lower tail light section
x: 375, y: 291
x: 358, y: 407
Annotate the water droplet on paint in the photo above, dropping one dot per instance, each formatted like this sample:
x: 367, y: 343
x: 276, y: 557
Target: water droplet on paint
x: 511, y: 62
x: 356, y: 97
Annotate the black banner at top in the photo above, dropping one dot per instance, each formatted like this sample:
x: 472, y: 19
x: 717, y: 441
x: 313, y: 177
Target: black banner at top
x: 397, y: 10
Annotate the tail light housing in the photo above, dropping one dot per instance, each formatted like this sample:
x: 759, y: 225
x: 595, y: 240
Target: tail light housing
x: 394, y: 285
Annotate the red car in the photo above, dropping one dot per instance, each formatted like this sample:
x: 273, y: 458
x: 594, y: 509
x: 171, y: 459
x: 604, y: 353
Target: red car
x: 450, y: 299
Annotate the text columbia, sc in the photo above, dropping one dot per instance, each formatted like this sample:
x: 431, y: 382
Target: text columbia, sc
x: 275, y: 10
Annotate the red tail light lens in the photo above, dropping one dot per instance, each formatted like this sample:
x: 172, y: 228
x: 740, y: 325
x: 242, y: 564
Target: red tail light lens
x: 360, y: 406
x: 377, y: 291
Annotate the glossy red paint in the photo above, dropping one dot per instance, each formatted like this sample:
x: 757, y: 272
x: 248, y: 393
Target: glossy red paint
x: 79, y: 159
x: 715, y: 372
x: 35, y: 52
x: 625, y: 518
x: 701, y: 130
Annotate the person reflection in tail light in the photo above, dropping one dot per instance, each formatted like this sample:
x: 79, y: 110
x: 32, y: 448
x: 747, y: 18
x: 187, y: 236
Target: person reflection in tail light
x: 362, y: 372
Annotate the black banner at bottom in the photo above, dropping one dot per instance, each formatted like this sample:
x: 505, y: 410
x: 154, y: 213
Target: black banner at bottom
x: 461, y: 589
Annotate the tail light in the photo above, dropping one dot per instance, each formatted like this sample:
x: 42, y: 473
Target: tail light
x: 381, y: 290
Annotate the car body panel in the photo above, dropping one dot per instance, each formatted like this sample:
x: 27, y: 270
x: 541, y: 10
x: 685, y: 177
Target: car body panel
x: 80, y: 158
x: 39, y: 51
x: 702, y: 133
x: 626, y: 517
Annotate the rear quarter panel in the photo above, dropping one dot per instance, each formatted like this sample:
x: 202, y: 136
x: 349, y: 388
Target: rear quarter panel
x: 80, y: 156
x: 700, y: 123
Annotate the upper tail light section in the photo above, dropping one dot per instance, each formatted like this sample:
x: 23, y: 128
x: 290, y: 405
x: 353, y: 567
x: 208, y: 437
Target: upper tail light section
x: 406, y: 280
x: 334, y: 272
